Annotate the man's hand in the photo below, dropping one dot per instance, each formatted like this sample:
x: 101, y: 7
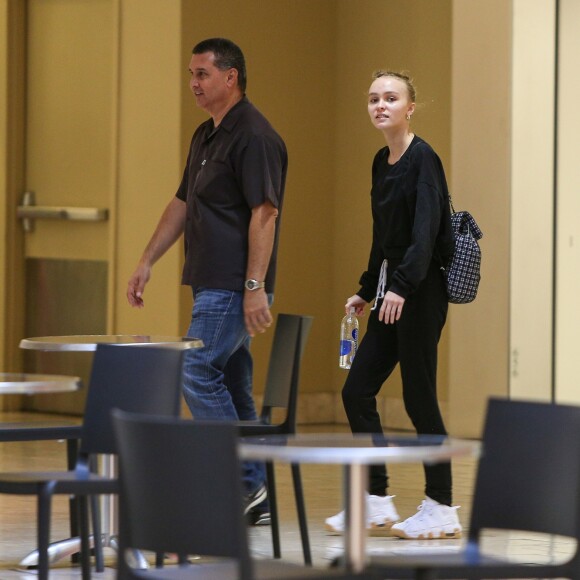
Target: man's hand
x: 136, y: 285
x: 169, y: 228
x: 257, y: 313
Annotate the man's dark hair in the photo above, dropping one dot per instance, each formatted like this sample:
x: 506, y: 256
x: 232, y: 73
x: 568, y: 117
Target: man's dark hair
x: 226, y: 55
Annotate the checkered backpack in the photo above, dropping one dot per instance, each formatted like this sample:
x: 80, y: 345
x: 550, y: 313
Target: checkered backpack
x: 463, y: 271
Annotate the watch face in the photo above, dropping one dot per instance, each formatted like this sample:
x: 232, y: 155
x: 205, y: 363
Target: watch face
x: 253, y: 284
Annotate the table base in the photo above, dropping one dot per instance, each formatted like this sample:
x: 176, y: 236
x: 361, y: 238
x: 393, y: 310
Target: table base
x: 67, y: 548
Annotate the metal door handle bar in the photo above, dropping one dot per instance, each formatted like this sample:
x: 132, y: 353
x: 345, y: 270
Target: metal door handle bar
x: 89, y: 214
x: 29, y: 211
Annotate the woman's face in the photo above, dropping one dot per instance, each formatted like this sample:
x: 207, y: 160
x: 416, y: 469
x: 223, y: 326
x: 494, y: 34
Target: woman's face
x: 389, y: 103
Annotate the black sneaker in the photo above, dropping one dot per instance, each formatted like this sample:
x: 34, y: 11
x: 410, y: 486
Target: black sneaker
x: 259, y: 518
x: 256, y: 497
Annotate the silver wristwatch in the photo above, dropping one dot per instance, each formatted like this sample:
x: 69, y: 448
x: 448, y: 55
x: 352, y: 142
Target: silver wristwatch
x: 252, y: 284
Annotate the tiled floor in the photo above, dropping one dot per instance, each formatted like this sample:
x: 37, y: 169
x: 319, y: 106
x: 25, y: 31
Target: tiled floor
x: 323, y: 490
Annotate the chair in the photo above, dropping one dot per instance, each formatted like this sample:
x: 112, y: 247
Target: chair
x: 48, y: 431
x: 181, y: 492
x: 142, y: 379
x: 528, y: 479
x: 281, y: 391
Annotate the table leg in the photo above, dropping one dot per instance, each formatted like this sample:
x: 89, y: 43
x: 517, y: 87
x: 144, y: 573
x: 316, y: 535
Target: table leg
x: 110, y: 519
x: 355, y: 484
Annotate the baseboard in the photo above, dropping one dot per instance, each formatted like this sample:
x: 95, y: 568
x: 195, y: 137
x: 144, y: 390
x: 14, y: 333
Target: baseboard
x: 327, y: 408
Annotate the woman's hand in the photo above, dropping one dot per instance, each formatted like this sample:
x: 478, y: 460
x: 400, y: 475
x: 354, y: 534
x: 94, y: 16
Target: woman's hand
x: 391, y: 308
x: 357, y: 303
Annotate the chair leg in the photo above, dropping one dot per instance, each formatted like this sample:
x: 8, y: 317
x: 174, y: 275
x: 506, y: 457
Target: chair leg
x: 71, y: 459
x: 97, y: 534
x: 274, y: 521
x: 301, y: 510
x: 84, y: 533
x: 43, y: 523
x: 123, y: 570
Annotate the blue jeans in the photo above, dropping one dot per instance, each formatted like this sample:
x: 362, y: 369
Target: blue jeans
x: 218, y: 377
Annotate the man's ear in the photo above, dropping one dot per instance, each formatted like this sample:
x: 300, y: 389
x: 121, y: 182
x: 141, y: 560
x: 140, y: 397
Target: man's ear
x: 232, y: 77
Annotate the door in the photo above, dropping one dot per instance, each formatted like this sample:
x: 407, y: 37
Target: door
x: 70, y: 141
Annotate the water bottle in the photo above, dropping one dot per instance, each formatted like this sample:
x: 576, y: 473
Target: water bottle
x: 348, y: 339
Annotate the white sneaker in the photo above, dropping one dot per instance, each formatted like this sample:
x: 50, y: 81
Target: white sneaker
x: 432, y: 521
x: 381, y: 515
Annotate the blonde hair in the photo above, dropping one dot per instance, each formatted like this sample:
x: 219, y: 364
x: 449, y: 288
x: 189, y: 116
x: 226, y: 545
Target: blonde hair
x: 402, y: 77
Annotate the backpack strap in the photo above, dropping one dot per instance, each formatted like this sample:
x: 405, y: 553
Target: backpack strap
x: 451, y: 204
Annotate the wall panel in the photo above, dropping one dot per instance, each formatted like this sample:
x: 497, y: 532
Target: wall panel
x: 532, y: 189
x: 480, y: 153
x: 567, y: 359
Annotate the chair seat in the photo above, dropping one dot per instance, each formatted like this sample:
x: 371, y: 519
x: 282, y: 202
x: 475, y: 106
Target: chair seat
x: 39, y: 431
x: 142, y: 379
x: 456, y: 565
x: 203, y: 513
x: 259, y: 427
x: 29, y: 482
x: 264, y: 569
x: 528, y: 479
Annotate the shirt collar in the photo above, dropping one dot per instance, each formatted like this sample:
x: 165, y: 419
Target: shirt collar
x: 233, y: 115
x: 229, y: 121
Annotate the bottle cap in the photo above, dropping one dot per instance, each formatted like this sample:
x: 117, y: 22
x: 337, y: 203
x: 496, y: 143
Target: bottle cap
x: 352, y: 309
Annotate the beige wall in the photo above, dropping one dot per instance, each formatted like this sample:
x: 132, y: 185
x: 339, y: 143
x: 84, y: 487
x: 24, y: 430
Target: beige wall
x: 11, y: 183
x: 292, y: 80
x: 480, y: 168
x: 310, y: 79
x: 532, y: 204
x: 3, y: 150
x: 309, y: 65
x: 372, y: 34
x: 149, y: 159
x: 568, y: 209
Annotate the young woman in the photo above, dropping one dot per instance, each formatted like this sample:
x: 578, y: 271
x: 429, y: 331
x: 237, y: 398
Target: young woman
x: 412, y: 238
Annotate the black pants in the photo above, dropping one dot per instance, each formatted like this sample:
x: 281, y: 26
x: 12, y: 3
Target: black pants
x: 411, y: 342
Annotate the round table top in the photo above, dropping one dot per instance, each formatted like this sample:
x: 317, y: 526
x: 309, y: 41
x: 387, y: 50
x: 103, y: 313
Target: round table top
x: 33, y: 383
x: 345, y: 448
x: 88, y: 342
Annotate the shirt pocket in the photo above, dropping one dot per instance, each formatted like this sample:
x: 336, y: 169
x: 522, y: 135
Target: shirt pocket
x: 215, y: 181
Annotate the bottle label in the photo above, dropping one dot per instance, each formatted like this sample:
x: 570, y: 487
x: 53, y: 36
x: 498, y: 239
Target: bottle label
x: 345, y: 347
x: 355, y: 334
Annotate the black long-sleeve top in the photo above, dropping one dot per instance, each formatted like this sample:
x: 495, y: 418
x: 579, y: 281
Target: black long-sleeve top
x: 411, y: 218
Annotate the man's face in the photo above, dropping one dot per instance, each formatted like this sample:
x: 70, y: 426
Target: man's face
x: 210, y: 86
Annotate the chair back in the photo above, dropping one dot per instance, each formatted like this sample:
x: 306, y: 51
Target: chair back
x: 281, y: 390
x: 141, y: 379
x: 181, y: 487
x: 529, y: 473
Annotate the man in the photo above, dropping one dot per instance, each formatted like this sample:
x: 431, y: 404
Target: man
x: 227, y: 207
